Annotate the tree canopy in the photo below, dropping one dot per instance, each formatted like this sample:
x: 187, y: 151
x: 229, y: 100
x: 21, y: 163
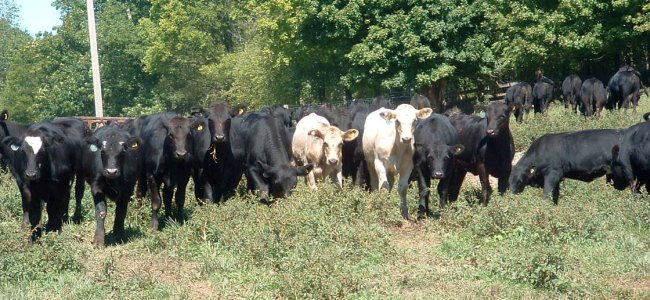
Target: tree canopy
x: 172, y: 55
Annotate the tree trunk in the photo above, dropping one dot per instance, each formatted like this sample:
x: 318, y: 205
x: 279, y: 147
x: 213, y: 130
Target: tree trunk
x: 436, y: 94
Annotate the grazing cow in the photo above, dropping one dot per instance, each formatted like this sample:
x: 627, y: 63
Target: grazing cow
x: 379, y: 102
x: 630, y: 164
x: 593, y: 97
x: 489, y: 150
x: 624, y: 89
x: 542, y: 96
x: 571, y: 91
x: 388, y: 147
x: 420, y: 101
x: 317, y: 143
x: 260, y: 147
x: 581, y: 155
x: 519, y: 97
x: 112, y: 162
x: 436, y: 147
x: 167, y: 159
x: 44, y: 161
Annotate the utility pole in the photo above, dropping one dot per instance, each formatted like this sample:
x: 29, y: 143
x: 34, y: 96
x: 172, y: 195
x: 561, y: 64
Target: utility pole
x: 94, y: 58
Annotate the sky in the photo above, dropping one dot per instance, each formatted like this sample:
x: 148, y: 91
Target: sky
x: 37, y: 15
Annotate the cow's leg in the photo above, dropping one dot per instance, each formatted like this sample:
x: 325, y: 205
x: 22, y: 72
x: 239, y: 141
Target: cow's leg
x: 374, y: 180
x: 443, y: 191
x: 552, y: 185
x: 380, y: 170
x: 156, y: 202
x: 337, y: 177
x: 35, y: 211
x: 26, y: 197
x: 180, y: 198
x: 57, y: 211
x: 168, y: 194
x: 311, y: 179
x: 486, y: 189
x: 502, y: 185
x: 455, y: 183
x: 424, y: 181
x: 121, y: 206
x: 100, y: 215
x: 402, y: 187
x: 78, y: 195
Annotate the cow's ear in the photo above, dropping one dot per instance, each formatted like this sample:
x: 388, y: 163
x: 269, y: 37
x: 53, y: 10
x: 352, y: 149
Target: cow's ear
x: 350, y: 135
x: 646, y: 116
x: 11, y: 142
x: 92, y: 143
x: 388, y: 115
x: 532, y: 170
x: 424, y: 113
x: 456, y: 149
x: 133, y: 143
x: 4, y: 116
x: 199, y: 126
x: 317, y: 133
x: 304, y: 170
x: 266, y: 169
x: 615, y: 151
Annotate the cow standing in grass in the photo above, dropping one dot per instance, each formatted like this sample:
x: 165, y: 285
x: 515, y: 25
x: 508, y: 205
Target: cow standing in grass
x: 112, y: 162
x: 318, y: 143
x: 388, y: 147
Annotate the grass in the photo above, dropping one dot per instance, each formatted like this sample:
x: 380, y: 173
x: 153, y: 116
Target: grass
x: 351, y: 244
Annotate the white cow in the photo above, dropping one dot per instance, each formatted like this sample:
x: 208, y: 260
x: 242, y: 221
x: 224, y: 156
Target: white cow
x: 388, y: 147
x: 318, y: 143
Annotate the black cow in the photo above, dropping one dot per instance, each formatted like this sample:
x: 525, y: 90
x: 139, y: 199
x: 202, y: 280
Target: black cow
x: 571, y: 91
x: 44, y: 162
x: 354, y: 163
x: 112, y: 162
x: 519, y: 98
x: 279, y: 111
x: 542, y: 96
x: 167, y: 159
x: 204, y: 155
x: 223, y: 172
x: 420, y: 101
x: 357, y: 106
x: 624, y: 89
x: 489, y: 149
x: 436, y: 145
x: 581, y: 155
x: 631, y: 158
x: 379, y: 102
x: 260, y: 146
x: 593, y: 97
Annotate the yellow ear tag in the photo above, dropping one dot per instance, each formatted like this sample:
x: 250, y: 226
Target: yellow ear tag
x: 134, y: 145
x: 531, y: 171
x: 514, y: 108
x: 240, y: 111
x: 199, y: 128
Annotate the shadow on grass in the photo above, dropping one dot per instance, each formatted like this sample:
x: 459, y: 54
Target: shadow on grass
x: 130, y: 234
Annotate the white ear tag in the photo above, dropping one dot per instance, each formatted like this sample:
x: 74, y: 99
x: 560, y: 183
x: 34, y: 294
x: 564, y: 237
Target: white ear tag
x: 14, y: 147
x: 482, y: 114
x: 93, y: 148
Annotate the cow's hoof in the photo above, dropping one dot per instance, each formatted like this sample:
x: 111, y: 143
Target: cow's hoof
x: 99, y: 242
x: 154, y: 225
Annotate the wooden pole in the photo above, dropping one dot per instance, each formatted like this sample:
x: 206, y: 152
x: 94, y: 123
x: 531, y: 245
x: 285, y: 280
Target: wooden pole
x: 94, y: 58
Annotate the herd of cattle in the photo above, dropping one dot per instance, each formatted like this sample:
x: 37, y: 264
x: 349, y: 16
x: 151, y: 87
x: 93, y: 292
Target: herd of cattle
x: 370, y: 143
x: 589, y: 96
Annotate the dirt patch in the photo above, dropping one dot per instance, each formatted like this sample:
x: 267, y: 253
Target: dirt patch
x: 641, y: 285
x: 474, y: 180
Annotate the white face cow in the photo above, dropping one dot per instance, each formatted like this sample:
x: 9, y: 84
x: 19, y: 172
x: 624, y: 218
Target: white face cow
x: 333, y: 142
x: 405, y: 117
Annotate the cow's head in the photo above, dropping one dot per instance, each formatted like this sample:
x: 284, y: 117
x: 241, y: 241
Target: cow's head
x: 405, y: 117
x: 498, y: 116
x: 523, y: 174
x: 437, y: 156
x: 112, y: 145
x: 179, y: 140
x: 621, y: 175
x: 32, y: 155
x: 332, y: 140
x: 282, y: 179
x: 219, y: 116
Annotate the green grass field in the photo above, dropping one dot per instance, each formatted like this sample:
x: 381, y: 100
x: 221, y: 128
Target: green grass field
x: 351, y: 244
